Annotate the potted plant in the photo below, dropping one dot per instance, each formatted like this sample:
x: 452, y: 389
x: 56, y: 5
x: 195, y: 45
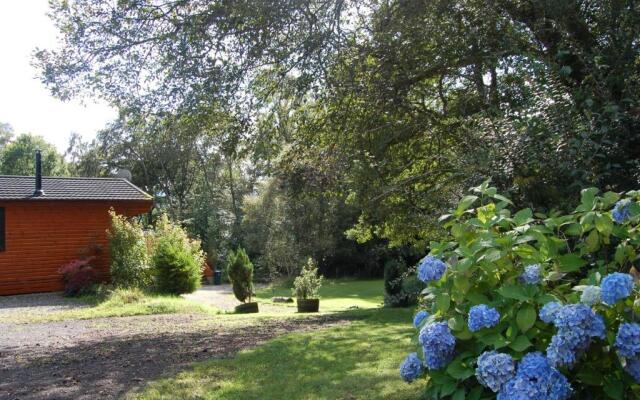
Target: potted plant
x: 240, y: 271
x: 306, y: 287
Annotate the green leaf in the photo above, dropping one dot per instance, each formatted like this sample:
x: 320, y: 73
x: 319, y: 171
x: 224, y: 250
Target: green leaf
x: 465, y: 334
x: 443, y: 302
x: 521, y: 343
x: 574, y: 230
x: 475, y: 393
x: 465, y: 203
x: 462, y: 283
x: 463, y: 265
x: 590, y: 377
x: 499, y: 342
x: 610, y: 198
x: 614, y: 389
x: 522, y: 216
x: 526, y: 317
x: 492, y: 339
x: 593, y: 241
x: 457, y: 323
x: 477, y: 298
x: 448, y: 388
x: 571, y: 262
x: 620, y: 254
x: 458, y: 395
x: 604, y: 224
x: 525, y: 251
x: 502, y: 198
x: 491, y: 255
x: 588, y: 198
x: 459, y: 370
x: 513, y: 292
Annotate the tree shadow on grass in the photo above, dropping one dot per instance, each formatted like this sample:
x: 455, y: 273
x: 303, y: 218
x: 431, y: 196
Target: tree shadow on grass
x: 356, y: 361
x: 109, y: 367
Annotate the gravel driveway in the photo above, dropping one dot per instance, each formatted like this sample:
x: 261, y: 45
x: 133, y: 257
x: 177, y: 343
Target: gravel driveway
x: 36, y: 304
x: 106, y: 358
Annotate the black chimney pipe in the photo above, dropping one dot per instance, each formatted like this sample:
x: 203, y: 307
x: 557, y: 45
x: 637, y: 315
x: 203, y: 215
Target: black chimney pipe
x: 39, y: 192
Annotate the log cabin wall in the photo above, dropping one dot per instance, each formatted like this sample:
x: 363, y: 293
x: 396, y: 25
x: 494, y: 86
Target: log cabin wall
x: 40, y: 236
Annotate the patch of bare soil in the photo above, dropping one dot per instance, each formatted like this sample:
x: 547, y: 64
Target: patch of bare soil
x: 105, y: 358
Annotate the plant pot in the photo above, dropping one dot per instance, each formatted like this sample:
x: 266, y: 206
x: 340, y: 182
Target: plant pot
x: 308, y: 305
x: 247, y: 308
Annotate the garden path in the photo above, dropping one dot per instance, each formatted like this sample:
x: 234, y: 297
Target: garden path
x: 222, y: 298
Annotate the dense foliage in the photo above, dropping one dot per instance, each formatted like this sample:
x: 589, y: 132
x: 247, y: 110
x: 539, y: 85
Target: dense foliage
x: 177, y: 260
x: 307, y: 285
x: 532, y: 305
x: 394, y: 274
x: 240, y: 272
x: 390, y: 107
x: 128, y: 253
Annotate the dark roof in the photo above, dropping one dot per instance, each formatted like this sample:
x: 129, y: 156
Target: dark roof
x: 63, y: 188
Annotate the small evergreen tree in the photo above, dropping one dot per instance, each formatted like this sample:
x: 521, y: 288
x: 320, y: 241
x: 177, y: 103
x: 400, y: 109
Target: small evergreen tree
x: 240, y: 271
x: 308, y: 283
x: 177, y: 260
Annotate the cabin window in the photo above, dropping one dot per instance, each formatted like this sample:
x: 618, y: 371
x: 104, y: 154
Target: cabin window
x: 2, y: 230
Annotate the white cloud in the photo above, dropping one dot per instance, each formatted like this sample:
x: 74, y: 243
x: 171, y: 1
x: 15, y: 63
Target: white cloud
x: 24, y: 102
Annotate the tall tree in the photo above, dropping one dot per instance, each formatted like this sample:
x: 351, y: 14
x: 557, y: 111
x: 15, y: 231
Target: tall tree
x: 409, y: 101
x: 18, y: 157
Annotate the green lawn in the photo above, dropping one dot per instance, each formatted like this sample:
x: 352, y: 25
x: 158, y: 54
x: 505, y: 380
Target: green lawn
x: 336, y: 294
x: 355, y: 361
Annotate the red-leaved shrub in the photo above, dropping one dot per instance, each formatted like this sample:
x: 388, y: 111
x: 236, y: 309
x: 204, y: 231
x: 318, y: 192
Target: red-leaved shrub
x: 78, y: 276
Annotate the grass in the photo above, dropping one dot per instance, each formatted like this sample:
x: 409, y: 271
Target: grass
x: 355, y: 361
x: 335, y: 294
x: 120, y: 303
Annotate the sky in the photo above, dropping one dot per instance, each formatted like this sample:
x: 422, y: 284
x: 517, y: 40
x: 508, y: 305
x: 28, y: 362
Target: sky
x: 24, y: 101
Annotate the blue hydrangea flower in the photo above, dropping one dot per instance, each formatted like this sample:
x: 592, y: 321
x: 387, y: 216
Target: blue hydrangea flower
x: 549, y: 311
x: 431, y: 269
x: 481, y: 316
x: 438, y: 344
x: 628, y: 340
x: 633, y: 369
x: 419, y: 317
x: 531, y: 274
x: 616, y: 286
x: 536, y: 379
x: 411, y: 368
x: 565, y: 348
x: 590, y: 295
x: 495, y: 369
x: 621, y: 211
x: 577, y: 324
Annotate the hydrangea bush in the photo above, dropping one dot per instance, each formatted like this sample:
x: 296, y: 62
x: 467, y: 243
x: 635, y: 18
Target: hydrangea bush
x: 525, y: 305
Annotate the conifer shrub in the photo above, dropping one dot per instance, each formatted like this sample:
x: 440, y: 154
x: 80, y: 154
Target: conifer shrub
x: 240, y: 272
x: 177, y: 260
